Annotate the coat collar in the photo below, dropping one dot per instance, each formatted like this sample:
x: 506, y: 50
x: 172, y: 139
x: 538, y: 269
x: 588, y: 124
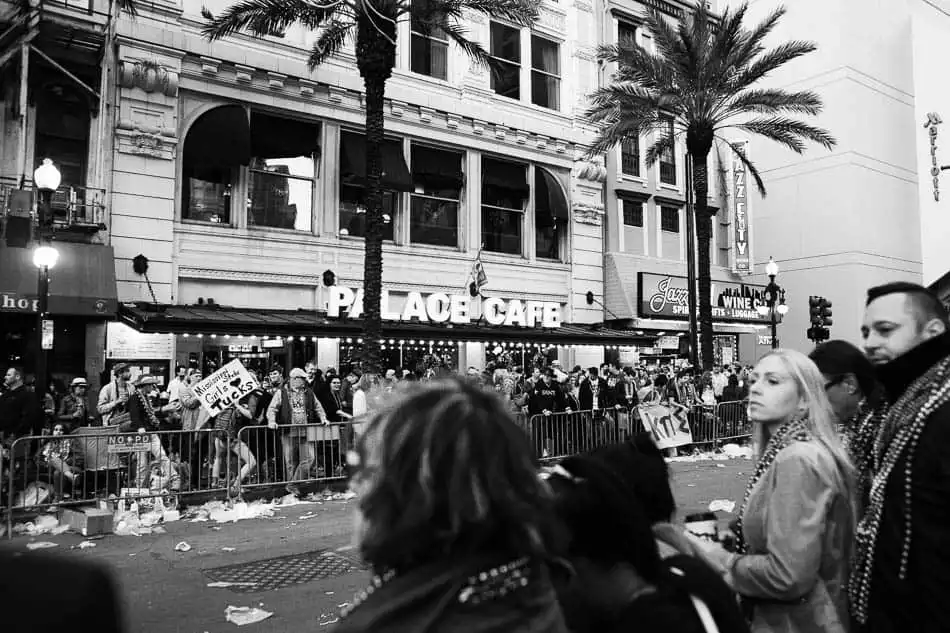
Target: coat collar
x: 897, y: 375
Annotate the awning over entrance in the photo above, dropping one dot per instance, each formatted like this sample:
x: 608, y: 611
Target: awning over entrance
x: 219, y: 138
x: 81, y: 284
x: 550, y: 202
x: 395, y: 174
x: 238, y: 321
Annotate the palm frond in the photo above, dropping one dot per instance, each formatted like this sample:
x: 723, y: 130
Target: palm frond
x: 460, y: 35
x: 788, y: 132
x: 752, y: 45
x: 665, y: 142
x: 770, y: 61
x: 520, y: 12
x: 627, y: 99
x: 267, y: 17
x: 773, y: 101
x: 332, y: 38
x: 751, y: 168
x: 129, y: 6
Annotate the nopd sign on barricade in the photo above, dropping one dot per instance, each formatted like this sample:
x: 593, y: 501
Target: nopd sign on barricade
x: 129, y: 443
x: 223, y: 388
x: 669, y: 424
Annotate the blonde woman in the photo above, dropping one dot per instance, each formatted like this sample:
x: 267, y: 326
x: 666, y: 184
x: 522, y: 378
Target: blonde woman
x: 795, y: 525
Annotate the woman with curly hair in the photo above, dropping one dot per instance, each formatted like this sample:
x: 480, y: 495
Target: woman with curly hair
x: 453, y: 518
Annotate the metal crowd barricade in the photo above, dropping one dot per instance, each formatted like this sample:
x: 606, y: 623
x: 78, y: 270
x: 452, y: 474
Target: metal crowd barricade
x: 560, y: 435
x: 103, y: 466
x: 294, y: 454
x: 703, y: 424
x: 733, y: 421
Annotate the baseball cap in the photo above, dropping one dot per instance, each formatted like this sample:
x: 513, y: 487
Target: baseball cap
x: 296, y: 372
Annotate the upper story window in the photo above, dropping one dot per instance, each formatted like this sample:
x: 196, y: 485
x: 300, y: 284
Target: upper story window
x: 504, y: 191
x: 505, y: 48
x: 626, y: 33
x: 282, y: 173
x: 395, y: 178
x: 632, y: 213
x: 428, y: 51
x: 434, y: 204
x: 630, y: 156
x: 277, y: 154
x: 550, y: 215
x: 668, y: 157
x: 670, y: 219
x: 545, y: 72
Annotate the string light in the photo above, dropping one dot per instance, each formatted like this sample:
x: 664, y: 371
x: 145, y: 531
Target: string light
x: 186, y: 335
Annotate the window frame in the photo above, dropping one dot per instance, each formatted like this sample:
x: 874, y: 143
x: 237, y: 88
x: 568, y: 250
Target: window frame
x: 431, y: 39
x: 459, y: 208
x: 399, y: 199
x: 664, y: 208
x: 519, y: 64
x: 527, y: 204
x: 533, y: 69
x: 671, y: 129
x: 623, y: 212
x: 313, y: 180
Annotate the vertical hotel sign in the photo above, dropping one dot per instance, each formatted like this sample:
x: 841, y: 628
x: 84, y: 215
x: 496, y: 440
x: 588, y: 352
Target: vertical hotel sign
x: 741, y: 257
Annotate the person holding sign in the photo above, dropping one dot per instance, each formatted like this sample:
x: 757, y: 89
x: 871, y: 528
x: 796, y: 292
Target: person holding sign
x: 295, y: 405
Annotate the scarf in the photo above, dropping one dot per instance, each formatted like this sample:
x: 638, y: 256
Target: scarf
x: 795, y: 430
x: 899, y: 430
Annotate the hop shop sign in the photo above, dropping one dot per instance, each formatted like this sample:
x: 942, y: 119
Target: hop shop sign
x: 224, y: 388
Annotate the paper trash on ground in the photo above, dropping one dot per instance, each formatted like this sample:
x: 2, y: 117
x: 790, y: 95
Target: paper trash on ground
x: 722, y: 505
x: 43, y: 524
x: 183, y: 547
x: 228, y: 549
x: 86, y: 545
x: 245, y: 615
x: 40, y: 545
x: 225, y: 585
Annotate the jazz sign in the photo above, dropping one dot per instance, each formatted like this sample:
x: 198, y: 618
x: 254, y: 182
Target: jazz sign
x: 667, y: 297
x: 741, y: 256
x: 439, y: 307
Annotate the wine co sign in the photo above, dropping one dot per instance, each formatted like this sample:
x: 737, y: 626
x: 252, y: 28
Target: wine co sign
x: 667, y: 297
x: 439, y: 307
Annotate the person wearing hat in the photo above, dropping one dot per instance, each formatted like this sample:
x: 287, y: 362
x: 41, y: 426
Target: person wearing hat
x: 293, y: 405
x: 114, y: 397
x: 143, y: 420
x: 73, y: 409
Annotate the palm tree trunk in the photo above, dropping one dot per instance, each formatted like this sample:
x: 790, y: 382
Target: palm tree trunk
x: 703, y: 239
x: 373, y: 236
x: 375, y: 57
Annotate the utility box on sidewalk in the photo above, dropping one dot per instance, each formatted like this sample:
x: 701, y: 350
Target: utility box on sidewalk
x: 87, y: 521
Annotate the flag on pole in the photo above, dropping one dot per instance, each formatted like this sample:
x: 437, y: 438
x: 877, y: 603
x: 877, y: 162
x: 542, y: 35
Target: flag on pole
x: 480, y: 277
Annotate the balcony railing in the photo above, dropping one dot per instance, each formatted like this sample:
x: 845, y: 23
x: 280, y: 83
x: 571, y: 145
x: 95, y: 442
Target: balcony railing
x: 79, y: 209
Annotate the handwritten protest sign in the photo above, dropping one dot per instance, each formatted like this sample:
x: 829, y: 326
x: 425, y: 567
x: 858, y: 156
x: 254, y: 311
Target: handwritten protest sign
x: 224, y: 388
x: 669, y: 425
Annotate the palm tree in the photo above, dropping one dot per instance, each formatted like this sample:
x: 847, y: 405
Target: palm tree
x: 701, y: 79
x: 373, y: 23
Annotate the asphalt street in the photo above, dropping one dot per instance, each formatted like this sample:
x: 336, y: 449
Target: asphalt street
x: 299, y: 564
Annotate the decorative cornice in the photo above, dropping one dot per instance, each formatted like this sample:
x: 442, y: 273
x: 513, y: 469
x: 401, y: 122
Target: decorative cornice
x: 631, y: 194
x: 270, y: 277
x: 155, y: 144
x: 552, y: 19
x: 149, y: 76
x: 590, y: 169
x: 307, y: 90
x: 670, y: 202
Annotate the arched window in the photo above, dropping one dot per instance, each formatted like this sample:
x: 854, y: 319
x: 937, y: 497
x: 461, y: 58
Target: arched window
x: 550, y: 214
x: 217, y: 144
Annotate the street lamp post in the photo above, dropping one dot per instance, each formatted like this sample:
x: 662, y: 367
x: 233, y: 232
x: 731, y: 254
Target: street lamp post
x: 46, y: 178
x: 774, y: 300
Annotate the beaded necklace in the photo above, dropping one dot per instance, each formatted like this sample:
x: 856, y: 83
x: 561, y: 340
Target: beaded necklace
x: 901, y: 430
x: 859, y: 438
x: 794, y: 430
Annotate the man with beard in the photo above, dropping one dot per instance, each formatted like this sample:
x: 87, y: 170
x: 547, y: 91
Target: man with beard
x: 901, y: 573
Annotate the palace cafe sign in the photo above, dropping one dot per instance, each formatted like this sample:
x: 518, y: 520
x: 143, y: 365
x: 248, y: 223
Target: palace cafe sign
x: 439, y: 307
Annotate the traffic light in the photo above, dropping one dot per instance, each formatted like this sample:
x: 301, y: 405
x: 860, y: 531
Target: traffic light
x: 814, y: 309
x: 826, y: 321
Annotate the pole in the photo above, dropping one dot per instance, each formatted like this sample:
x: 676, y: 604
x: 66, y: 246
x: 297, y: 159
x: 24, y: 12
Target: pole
x: 24, y: 107
x: 774, y: 329
x: 41, y: 309
x: 691, y: 265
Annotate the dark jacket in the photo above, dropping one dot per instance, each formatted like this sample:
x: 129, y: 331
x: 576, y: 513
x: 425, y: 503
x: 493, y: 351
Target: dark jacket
x: 917, y: 603
x: 331, y: 407
x: 141, y: 413
x: 310, y: 404
x: 90, y: 605
x: 449, y: 597
x: 546, y: 398
x: 585, y: 395
x: 620, y: 394
x: 19, y: 412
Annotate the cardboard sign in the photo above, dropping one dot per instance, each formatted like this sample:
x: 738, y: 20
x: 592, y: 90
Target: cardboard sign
x: 128, y: 443
x: 224, y: 388
x: 668, y: 424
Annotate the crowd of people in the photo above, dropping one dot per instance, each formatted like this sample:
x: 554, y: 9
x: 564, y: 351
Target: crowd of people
x: 841, y: 528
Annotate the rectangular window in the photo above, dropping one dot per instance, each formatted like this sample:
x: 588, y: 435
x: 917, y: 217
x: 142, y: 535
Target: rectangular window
x: 353, y: 211
x: 545, y: 73
x: 668, y: 158
x: 630, y: 156
x: 207, y: 193
x: 551, y: 214
x: 434, y: 207
x: 670, y: 219
x: 504, y: 191
x: 281, y: 173
x: 395, y: 178
x: 626, y: 33
x: 428, y: 50
x: 632, y: 213
x: 505, y: 49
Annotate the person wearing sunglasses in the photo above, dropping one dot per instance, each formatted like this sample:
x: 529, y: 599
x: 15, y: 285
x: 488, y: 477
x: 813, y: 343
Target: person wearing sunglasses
x: 855, y: 396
